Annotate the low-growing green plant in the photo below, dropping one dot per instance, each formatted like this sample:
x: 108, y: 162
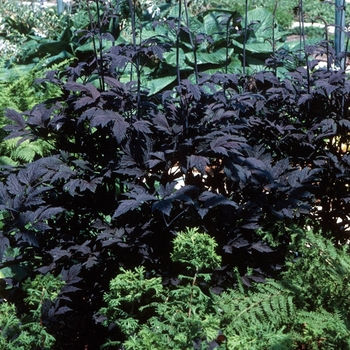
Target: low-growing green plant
x: 19, y: 90
x: 307, y: 307
x: 27, y: 331
x: 152, y: 316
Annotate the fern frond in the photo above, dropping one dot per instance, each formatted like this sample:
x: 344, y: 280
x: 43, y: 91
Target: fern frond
x: 269, y: 305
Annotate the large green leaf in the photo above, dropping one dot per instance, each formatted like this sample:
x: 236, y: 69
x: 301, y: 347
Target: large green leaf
x: 259, y: 47
x: 156, y: 85
x: 54, y: 47
x: 212, y: 23
x: 217, y: 57
x: 262, y: 24
x: 170, y: 58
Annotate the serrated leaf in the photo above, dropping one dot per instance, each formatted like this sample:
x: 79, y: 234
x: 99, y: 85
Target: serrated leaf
x: 161, y: 123
x: 211, y: 200
x: 198, y: 162
x: 223, y: 144
x: 71, y: 275
x: 132, y: 204
x: 125, y: 206
x: 47, y: 212
x: 4, y: 243
x: 13, y: 185
x: 261, y: 247
x: 142, y: 126
x: 164, y: 206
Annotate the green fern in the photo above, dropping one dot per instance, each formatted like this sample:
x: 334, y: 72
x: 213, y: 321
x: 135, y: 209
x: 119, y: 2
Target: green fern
x: 258, y: 318
x: 25, y: 331
x: 307, y: 308
x: 18, y: 91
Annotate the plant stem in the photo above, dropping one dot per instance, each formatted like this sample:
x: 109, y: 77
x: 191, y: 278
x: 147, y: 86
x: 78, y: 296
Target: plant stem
x: 245, y: 35
x: 191, y: 296
x: 178, y: 44
x: 191, y: 42
x: 100, y: 61
x: 137, y: 61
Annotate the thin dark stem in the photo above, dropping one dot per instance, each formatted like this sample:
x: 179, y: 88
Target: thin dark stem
x: 347, y: 41
x: 327, y: 41
x: 191, y: 42
x: 191, y: 296
x: 245, y: 35
x: 100, y: 48
x: 137, y: 61
x: 273, y: 33
x: 94, y: 43
x: 178, y: 45
x: 301, y: 26
x: 228, y: 40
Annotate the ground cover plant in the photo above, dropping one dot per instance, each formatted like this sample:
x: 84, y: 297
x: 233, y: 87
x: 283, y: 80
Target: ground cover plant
x: 133, y: 166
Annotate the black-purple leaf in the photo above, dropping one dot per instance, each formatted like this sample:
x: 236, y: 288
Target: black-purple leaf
x: 27, y: 237
x: 161, y: 123
x: 142, y: 126
x: 345, y: 122
x: 164, y: 206
x: 225, y: 143
x: 45, y: 213
x: 252, y: 225
x: 89, y: 88
x: 132, y: 204
x: 83, y: 102
x: 15, y: 117
x: 63, y: 309
x: 4, y: 197
x: 261, y: 247
x: 167, y: 190
x: 106, y: 116
x: 83, y: 249
x: 4, y: 243
x: 198, y: 162
x: 14, y: 186
x: 78, y: 185
x: 304, y: 98
x: 58, y: 253
x: 211, y: 200
x: 113, y: 82
x: 193, y: 89
x: 125, y: 206
x: 71, y: 275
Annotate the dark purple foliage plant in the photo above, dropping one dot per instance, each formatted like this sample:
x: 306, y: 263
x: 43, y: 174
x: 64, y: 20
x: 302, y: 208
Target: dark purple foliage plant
x: 238, y: 156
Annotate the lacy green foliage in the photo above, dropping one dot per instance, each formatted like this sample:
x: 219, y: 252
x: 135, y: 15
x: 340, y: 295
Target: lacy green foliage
x: 196, y: 249
x: 14, y: 153
x: 19, y: 91
x: 18, y: 335
x: 37, y: 32
x: 26, y: 332
x: 258, y: 318
x: 306, y: 308
x: 129, y: 292
x: 320, y: 272
x: 40, y: 289
x: 177, y: 317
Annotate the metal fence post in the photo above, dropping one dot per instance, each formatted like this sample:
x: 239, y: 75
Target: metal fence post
x: 339, y: 30
x: 60, y: 6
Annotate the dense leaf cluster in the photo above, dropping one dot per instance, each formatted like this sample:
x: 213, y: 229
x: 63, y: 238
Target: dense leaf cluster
x: 128, y: 165
x: 230, y: 154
